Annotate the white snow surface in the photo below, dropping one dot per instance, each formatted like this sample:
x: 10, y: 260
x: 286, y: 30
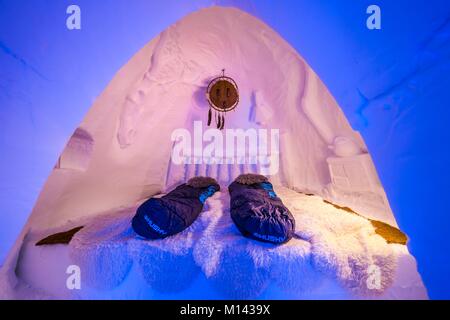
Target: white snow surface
x: 329, y: 259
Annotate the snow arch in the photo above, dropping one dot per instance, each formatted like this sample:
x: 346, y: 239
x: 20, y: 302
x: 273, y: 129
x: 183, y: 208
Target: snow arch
x: 161, y: 89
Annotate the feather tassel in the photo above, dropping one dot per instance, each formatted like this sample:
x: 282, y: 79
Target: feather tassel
x: 209, y: 117
x: 223, y: 123
x: 219, y: 123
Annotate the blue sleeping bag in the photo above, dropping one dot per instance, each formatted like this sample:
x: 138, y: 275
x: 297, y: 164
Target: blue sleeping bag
x: 158, y: 218
x: 257, y: 211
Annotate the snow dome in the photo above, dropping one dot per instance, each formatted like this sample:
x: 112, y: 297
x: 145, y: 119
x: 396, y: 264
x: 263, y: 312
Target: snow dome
x: 147, y: 133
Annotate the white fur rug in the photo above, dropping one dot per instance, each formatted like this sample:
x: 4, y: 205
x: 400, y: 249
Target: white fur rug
x: 101, y: 250
x: 242, y: 268
x: 329, y: 241
x: 343, y: 245
x: 106, y: 248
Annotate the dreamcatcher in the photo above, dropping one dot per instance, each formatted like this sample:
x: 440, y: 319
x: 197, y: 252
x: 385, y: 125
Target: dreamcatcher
x: 223, y: 96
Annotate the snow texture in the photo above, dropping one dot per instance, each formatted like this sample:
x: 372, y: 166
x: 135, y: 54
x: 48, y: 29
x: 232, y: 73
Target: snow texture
x: 77, y: 154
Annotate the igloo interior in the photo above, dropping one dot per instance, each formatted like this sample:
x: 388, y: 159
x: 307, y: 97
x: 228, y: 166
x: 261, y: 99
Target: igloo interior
x: 353, y: 118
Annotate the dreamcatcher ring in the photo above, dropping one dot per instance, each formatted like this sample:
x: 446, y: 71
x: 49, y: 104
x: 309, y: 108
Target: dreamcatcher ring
x: 223, y: 96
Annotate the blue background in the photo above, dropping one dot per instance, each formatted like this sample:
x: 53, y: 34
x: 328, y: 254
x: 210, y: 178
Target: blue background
x: 393, y: 84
